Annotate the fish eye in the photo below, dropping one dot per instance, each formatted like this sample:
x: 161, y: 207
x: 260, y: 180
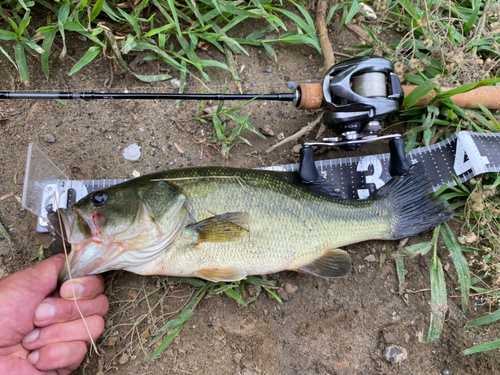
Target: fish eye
x: 99, y: 198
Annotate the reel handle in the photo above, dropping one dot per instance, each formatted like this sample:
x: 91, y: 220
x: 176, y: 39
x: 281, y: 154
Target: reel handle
x: 307, y: 170
x: 398, y: 163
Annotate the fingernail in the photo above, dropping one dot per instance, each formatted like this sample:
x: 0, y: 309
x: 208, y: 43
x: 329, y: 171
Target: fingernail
x: 32, y: 336
x: 45, y: 311
x: 68, y: 290
x: 33, y: 357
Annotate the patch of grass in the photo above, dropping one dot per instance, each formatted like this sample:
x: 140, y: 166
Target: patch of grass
x: 234, y: 290
x: 165, y: 30
x: 221, y: 116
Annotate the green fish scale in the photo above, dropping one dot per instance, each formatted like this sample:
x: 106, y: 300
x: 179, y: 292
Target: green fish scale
x: 289, y: 226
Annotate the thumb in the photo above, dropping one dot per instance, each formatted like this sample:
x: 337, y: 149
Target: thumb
x: 41, y: 279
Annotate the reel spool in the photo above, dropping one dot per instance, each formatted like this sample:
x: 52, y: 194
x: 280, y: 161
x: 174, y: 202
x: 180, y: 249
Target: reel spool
x: 359, y: 93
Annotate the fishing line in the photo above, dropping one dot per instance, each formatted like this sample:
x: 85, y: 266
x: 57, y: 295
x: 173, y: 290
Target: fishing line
x: 66, y: 262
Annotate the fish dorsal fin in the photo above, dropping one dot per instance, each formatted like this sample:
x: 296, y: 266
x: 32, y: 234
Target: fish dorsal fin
x: 222, y: 274
x: 332, y: 264
x: 227, y: 227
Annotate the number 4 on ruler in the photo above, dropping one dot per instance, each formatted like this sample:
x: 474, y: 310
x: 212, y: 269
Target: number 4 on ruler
x: 467, y: 156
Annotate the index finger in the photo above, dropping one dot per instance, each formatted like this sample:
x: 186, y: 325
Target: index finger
x: 81, y: 288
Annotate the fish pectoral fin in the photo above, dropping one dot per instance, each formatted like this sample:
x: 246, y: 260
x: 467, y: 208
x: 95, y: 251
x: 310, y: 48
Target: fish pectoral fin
x: 333, y: 263
x: 227, y: 227
x: 222, y: 274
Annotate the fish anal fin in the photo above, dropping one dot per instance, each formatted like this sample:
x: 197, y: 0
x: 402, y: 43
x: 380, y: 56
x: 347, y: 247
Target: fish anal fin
x: 227, y: 227
x: 332, y: 264
x: 221, y: 274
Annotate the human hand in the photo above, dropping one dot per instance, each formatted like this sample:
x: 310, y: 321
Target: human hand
x: 41, y: 329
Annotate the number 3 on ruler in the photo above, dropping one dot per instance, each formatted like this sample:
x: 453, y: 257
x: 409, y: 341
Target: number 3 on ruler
x: 467, y: 156
x: 363, y: 165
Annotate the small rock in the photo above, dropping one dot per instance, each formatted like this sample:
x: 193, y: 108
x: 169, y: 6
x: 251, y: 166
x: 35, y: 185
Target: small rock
x: 330, y: 292
x: 175, y: 83
x: 254, y: 290
x: 269, y: 70
x: 395, y: 354
x: 305, y: 69
x: 266, y: 130
x: 286, y: 116
x: 111, y: 341
x: 123, y: 359
x: 282, y: 294
x: 26, y: 128
x: 446, y: 372
x: 296, y: 148
x: 292, y: 85
x: 82, y: 38
x: 237, y: 357
x: 49, y: 138
x: 291, y: 288
x: 132, y: 152
x: 371, y: 258
x: 136, y: 173
x: 287, y: 78
x: 281, y: 136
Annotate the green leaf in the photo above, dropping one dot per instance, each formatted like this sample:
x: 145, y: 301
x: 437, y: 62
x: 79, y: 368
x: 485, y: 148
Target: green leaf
x: 96, y: 10
x: 439, y: 302
x: 412, y: 250
x: 257, y: 281
x: 467, y: 88
x: 218, y: 127
x: 332, y: 11
x: 482, y: 348
x: 63, y: 13
x: 168, y: 340
x: 355, y: 8
x: 232, y: 294
x: 159, y: 30
x: 487, y: 319
x: 90, y: 55
x: 472, y: 19
x: 490, y: 116
x: 418, y: 93
x: 21, y: 63
x: 132, y: 21
x: 7, y: 55
x: 272, y: 293
x: 23, y: 24
x: 400, y: 270
x: 460, y: 264
x: 190, y: 280
x: 7, y: 35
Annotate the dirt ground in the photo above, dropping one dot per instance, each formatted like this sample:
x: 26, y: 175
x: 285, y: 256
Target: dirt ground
x: 323, y: 326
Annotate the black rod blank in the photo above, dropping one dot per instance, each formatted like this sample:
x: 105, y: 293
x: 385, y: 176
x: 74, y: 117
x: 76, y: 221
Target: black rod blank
x: 135, y: 96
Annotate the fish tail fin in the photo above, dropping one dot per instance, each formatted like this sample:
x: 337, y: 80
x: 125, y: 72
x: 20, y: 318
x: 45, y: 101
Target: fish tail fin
x: 413, y: 206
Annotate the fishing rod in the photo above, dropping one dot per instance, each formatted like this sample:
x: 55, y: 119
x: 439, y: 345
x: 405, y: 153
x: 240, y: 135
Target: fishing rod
x: 147, y: 96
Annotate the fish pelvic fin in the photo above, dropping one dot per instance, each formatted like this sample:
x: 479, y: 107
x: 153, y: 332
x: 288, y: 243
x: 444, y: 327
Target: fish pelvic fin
x: 414, y: 207
x: 222, y: 274
x: 227, y: 227
x: 333, y: 263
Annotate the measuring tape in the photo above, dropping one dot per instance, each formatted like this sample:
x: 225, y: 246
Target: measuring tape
x: 464, y: 155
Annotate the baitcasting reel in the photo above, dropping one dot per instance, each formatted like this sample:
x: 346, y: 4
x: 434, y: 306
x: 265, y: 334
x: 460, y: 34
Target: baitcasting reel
x: 359, y: 93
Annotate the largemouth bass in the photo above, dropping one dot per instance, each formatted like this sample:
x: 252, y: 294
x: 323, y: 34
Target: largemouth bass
x: 222, y: 224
